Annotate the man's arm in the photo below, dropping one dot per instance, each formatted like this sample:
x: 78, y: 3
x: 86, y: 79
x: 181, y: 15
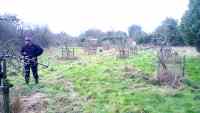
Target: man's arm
x: 22, y: 52
x: 38, y: 50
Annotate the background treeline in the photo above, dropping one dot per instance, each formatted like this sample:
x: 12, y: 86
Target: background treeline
x: 170, y: 32
x: 12, y: 30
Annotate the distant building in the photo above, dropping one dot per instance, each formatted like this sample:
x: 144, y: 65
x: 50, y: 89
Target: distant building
x: 93, y: 42
x: 131, y: 42
x: 91, y: 45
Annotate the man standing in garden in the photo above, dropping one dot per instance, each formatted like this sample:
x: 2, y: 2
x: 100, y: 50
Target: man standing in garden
x: 30, y: 52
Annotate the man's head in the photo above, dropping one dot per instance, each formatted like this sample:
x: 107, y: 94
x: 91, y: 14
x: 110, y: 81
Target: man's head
x: 28, y: 40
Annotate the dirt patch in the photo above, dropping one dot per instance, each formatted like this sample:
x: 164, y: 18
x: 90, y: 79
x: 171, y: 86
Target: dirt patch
x: 35, y: 103
x: 68, y: 58
x: 132, y: 72
x: 67, y: 101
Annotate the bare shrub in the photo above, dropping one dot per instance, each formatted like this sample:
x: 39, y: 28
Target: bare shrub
x: 168, y: 78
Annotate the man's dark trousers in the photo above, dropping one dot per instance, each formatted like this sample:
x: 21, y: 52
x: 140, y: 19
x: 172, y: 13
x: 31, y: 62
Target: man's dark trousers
x: 34, y: 68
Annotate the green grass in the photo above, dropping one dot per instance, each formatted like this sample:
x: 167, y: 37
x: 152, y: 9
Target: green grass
x: 145, y: 61
x: 193, y: 69
x: 110, y: 93
x: 103, y: 88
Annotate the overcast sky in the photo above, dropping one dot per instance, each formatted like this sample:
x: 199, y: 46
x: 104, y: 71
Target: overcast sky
x: 76, y: 16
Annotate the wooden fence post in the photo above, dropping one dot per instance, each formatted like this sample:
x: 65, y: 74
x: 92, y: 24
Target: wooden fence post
x: 4, y: 87
x: 6, y: 99
x: 158, y: 64
x: 73, y: 52
x: 62, y: 52
x: 184, y: 60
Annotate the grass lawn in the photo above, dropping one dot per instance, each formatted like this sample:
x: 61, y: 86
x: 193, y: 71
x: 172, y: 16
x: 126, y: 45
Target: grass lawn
x: 100, y: 86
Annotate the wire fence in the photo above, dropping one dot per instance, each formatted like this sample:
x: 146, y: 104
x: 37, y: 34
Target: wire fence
x: 170, y: 67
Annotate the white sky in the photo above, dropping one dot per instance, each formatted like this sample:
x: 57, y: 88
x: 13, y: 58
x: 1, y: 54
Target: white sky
x: 76, y: 16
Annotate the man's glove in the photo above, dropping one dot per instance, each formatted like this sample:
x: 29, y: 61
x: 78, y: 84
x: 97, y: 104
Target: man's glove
x: 24, y: 54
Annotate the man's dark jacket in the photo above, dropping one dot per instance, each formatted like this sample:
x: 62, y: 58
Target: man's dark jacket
x: 31, y: 51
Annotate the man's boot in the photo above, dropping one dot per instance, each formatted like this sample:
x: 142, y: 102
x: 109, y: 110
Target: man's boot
x: 27, y: 81
x: 36, y: 81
